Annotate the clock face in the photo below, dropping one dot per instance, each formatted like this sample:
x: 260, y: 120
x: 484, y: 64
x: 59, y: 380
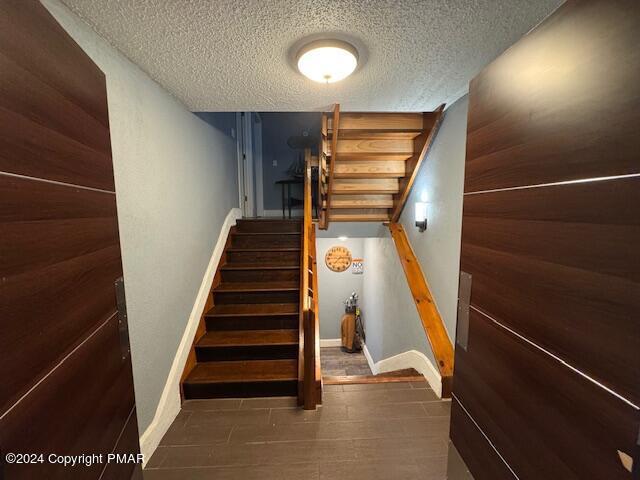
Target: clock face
x: 338, y: 259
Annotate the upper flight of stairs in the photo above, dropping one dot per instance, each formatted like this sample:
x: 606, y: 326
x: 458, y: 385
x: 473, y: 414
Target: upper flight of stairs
x: 377, y: 156
x: 250, y: 343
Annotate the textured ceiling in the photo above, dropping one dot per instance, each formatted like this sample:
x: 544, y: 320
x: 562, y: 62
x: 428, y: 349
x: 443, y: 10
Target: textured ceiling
x: 231, y: 55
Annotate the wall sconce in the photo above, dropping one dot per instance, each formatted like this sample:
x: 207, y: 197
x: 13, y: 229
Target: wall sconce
x: 421, y: 216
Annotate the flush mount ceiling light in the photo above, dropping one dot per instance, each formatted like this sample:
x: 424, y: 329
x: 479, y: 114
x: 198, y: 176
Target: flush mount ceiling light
x: 327, y: 61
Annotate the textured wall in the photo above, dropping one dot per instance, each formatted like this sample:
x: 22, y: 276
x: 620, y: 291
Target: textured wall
x: 277, y: 127
x: 176, y: 180
x: 336, y: 287
x: 391, y: 319
x: 441, y: 181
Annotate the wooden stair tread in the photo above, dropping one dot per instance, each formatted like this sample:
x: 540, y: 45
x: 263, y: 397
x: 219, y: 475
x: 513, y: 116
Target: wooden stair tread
x: 374, y: 145
x: 230, y: 338
x: 259, y: 234
x: 260, y: 266
x: 257, y: 286
x: 365, y: 190
x: 244, y: 371
x: 355, y: 206
x: 381, y: 201
x: 359, y: 217
x: 366, y: 186
x: 380, y: 174
x: 265, y: 219
x: 379, y: 120
x: 373, y: 157
x: 375, y: 133
x: 369, y: 169
x: 399, y: 376
x: 263, y: 249
x: 253, y: 309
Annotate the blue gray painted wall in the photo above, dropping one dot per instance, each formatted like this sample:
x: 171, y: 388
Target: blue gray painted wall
x: 335, y: 287
x: 441, y: 181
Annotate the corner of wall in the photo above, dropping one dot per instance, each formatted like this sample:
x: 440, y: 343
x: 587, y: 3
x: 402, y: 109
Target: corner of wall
x: 409, y: 359
x: 367, y: 355
x: 170, y: 402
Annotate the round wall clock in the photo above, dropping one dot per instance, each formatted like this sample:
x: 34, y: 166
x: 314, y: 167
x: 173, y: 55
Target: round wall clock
x: 338, y: 259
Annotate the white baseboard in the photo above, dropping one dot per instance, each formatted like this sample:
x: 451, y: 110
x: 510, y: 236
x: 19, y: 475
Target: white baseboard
x: 409, y: 359
x: 169, y: 405
x: 367, y: 355
x: 295, y: 212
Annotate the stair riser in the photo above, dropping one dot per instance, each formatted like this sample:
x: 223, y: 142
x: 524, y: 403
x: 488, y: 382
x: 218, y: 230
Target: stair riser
x: 265, y: 241
x: 379, y: 121
x: 269, y: 226
x: 276, y: 322
x: 261, y: 275
x: 194, y: 391
x: 262, y: 352
x: 285, y: 258
x: 255, y: 297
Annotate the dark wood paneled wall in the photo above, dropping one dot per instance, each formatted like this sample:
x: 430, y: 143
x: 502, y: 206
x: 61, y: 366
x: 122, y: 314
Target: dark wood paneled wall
x: 548, y: 386
x: 65, y: 388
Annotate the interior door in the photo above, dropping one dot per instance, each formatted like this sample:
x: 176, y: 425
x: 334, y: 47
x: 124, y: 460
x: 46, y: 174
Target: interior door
x: 67, y: 386
x: 547, y: 363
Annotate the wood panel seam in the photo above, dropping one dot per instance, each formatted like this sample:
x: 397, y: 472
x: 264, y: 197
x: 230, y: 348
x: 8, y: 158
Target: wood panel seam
x: 557, y: 358
x: 555, y: 184
x: 454, y: 397
x: 56, y: 182
x: 58, y: 365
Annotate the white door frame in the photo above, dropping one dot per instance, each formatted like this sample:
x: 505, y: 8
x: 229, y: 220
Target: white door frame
x: 257, y: 163
x: 246, y: 184
x: 239, y: 161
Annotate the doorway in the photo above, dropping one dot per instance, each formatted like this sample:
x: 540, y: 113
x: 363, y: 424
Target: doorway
x: 249, y: 142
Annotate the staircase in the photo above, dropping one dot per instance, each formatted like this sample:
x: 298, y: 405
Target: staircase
x: 248, y: 344
x: 369, y: 161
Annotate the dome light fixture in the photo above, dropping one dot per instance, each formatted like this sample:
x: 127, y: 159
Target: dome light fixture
x: 327, y: 61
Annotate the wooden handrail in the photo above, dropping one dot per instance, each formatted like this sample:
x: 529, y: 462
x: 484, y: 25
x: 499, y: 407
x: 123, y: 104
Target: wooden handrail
x: 322, y: 170
x: 316, y: 312
x: 309, y: 374
x: 335, y: 128
x: 441, y: 345
x: 422, y: 144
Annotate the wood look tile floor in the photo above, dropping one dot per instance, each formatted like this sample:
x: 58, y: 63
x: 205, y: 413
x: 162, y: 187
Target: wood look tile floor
x: 335, y: 362
x: 373, y: 431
